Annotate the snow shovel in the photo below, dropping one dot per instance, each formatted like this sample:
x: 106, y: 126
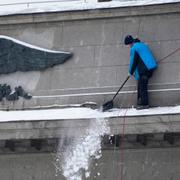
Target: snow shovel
x: 109, y: 105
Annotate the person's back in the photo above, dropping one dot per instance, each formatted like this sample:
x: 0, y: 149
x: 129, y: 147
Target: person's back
x: 145, y: 54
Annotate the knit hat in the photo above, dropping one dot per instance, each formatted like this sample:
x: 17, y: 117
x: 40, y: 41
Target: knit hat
x: 128, y: 40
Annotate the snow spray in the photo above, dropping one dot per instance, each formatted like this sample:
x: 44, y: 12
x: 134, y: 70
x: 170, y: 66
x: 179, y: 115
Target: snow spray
x: 74, y: 159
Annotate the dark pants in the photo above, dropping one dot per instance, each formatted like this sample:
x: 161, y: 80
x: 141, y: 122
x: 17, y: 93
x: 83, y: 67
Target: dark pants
x: 142, y: 95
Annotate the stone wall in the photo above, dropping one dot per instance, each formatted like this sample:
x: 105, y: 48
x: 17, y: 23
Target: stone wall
x: 149, y: 164
x: 100, y: 61
x: 98, y: 67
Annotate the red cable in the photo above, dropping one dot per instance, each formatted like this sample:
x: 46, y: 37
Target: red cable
x: 123, y: 130
x: 122, y: 145
x: 169, y: 55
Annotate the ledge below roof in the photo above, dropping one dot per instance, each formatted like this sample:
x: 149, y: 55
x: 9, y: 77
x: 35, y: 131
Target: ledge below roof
x: 72, y: 122
x: 117, y: 12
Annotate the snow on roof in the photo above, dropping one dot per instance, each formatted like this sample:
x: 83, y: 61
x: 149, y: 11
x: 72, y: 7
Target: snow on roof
x: 30, y: 45
x: 81, y: 113
x: 8, y: 7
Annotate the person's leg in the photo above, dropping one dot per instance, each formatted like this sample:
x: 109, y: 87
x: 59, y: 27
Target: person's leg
x: 143, y: 91
x: 139, y: 93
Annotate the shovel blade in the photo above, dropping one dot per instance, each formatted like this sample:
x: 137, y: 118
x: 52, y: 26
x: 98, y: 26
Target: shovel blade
x: 108, y: 105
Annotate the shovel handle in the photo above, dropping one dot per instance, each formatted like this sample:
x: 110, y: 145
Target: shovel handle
x: 121, y: 87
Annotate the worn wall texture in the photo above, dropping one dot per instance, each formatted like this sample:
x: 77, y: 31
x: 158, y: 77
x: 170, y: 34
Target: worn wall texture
x: 149, y: 164
x: 100, y: 61
x: 95, y: 72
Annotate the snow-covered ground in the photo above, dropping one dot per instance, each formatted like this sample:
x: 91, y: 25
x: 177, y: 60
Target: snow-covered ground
x: 81, y: 113
x: 8, y: 7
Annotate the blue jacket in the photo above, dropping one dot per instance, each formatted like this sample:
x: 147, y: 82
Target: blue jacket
x: 145, y: 55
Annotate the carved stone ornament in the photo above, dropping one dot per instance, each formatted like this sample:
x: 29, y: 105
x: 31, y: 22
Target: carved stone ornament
x: 16, y: 55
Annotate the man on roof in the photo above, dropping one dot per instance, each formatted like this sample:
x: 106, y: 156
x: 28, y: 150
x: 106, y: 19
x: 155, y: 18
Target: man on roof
x: 142, y: 64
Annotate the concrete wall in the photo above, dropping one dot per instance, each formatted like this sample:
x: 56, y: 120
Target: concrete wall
x: 149, y: 164
x: 78, y: 127
x: 100, y: 61
x: 97, y: 69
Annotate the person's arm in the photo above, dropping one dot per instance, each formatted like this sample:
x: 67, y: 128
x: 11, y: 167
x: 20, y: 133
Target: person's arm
x: 134, y: 62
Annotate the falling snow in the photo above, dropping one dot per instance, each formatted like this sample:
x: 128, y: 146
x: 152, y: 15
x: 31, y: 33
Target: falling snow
x: 76, y: 157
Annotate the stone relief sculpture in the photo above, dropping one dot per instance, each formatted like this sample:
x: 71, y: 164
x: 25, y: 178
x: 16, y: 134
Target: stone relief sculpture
x: 16, y: 55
